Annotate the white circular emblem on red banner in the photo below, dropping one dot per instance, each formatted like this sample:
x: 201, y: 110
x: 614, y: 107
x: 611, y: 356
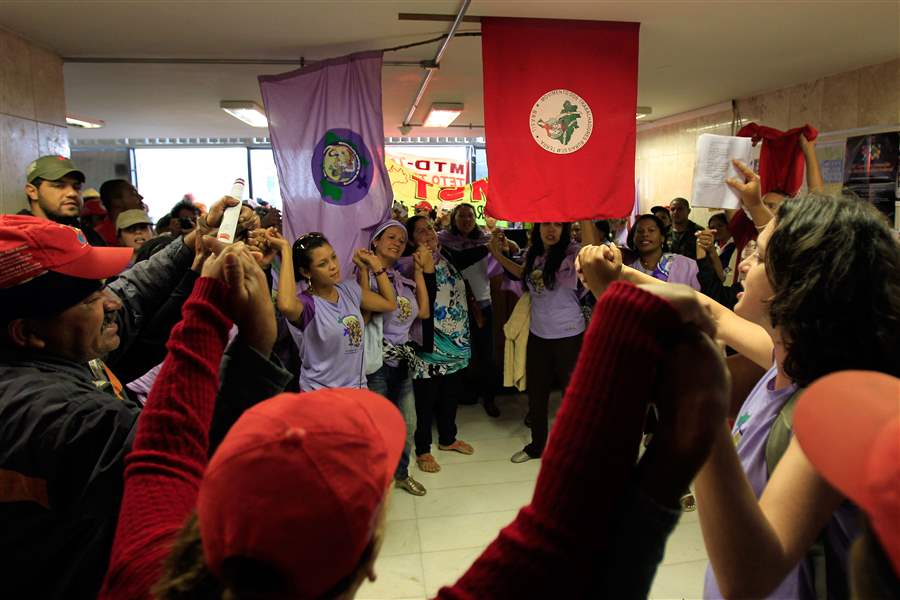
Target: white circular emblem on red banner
x: 561, y: 121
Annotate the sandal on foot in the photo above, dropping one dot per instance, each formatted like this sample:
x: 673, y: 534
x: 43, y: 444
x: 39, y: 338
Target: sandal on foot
x: 458, y: 446
x: 427, y: 464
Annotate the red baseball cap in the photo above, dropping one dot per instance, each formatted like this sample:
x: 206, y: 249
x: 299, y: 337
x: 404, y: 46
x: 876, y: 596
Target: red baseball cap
x: 93, y: 207
x: 848, y: 425
x: 298, y: 483
x: 424, y: 205
x: 30, y: 247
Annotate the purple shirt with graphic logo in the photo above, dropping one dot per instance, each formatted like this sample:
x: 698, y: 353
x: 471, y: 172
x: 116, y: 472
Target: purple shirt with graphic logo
x: 397, y: 323
x: 751, y: 433
x: 556, y: 313
x: 330, y: 339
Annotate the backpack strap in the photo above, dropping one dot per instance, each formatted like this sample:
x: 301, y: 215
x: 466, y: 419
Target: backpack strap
x: 781, y: 433
x: 776, y: 445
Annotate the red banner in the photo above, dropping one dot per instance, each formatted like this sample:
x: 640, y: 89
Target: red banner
x: 560, y: 99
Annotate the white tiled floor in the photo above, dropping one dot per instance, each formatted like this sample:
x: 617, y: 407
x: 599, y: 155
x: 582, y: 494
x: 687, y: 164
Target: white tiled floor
x: 432, y: 540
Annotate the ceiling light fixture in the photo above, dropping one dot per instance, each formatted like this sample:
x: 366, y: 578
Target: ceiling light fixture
x: 247, y: 111
x: 643, y: 111
x: 84, y: 122
x: 443, y: 113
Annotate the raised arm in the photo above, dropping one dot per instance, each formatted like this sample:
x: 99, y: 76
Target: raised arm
x: 169, y: 455
x: 385, y: 299
x: 814, y: 182
x: 748, y: 338
x: 706, y: 249
x: 590, y: 235
x: 753, y: 545
x: 423, y: 262
x: 288, y: 304
x: 749, y: 190
x: 509, y: 265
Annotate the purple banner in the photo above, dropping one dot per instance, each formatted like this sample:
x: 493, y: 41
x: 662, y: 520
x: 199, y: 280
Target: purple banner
x: 327, y: 134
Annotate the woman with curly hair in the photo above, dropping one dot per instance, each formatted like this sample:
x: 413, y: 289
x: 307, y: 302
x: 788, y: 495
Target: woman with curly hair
x: 821, y: 294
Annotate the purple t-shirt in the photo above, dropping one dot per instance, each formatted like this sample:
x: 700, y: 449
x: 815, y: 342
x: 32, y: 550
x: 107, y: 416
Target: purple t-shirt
x: 330, y: 339
x: 751, y: 432
x: 397, y: 323
x: 555, y: 313
x: 673, y: 268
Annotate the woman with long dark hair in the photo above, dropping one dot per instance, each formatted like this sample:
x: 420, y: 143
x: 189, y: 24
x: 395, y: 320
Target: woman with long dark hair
x: 482, y: 374
x: 557, y: 321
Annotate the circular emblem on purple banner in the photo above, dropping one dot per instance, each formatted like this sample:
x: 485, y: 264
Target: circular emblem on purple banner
x: 342, y: 167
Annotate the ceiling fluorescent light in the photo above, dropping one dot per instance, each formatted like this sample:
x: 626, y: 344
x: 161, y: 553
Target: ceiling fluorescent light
x: 442, y: 114
x: 84, y: 122
x: 643, y: 111
x: 247, y: 111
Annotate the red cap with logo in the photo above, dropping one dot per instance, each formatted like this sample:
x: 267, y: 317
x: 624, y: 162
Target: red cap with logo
x: 848, y: 425
x: 30, y: 247
x: 299, y: 482
x: 424, y: 206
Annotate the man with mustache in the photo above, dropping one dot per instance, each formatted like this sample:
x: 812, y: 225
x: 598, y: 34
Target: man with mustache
x: 66, y: 421
x: 53, y: 190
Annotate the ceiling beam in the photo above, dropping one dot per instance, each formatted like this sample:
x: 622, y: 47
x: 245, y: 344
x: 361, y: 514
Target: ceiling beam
x: 441, y: 18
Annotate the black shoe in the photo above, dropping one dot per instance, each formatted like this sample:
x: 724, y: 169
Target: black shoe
x: 490, y: 407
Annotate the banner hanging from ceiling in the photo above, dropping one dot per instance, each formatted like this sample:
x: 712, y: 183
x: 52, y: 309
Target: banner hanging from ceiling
x: 559, y: 111
x: 327, y: 133
x: 411, y: 188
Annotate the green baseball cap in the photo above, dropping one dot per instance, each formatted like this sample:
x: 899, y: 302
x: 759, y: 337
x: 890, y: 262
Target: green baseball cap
x: 52, y: 168
x: 127, y: 218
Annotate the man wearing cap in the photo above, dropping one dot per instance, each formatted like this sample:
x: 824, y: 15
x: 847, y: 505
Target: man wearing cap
x: 92, y: 210
x: 133, y: 228
x: 66, y: 423
x: 53, y: 188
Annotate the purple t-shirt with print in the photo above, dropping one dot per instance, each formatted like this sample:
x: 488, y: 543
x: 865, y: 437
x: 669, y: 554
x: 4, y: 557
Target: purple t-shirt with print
x: 751, y: 433
x: 673, y: 268
x: 555, y: 313
x: 397, y: 323
x: 330, y: 339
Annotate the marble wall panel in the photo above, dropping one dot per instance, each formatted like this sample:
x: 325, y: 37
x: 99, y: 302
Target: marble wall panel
x: 47, y: 77
x: 840, y: 102
x: 805, y: 104
x: 18, y: 147
x: 879, y: 94
x: 16, y: 88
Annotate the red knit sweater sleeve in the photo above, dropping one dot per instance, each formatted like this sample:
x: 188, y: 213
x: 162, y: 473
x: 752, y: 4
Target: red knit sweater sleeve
x: 550, y: 549
x: 169, y: 454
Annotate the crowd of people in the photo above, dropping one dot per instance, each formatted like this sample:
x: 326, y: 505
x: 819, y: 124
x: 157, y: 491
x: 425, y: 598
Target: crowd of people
x: 182, y: 418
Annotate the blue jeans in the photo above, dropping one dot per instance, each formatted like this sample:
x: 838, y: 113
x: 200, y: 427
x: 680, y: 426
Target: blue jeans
x: 395, y: 384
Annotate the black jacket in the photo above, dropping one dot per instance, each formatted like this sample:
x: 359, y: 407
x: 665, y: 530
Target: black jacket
x: 63, y: 438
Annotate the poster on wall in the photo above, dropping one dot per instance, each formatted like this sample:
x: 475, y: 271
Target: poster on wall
x: 412, y: 187
x: 444, y: 166
x: 871, y: 167
x: 831, y: 161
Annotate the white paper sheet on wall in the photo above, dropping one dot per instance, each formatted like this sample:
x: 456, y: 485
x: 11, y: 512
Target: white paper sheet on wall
x: 713, y: 166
